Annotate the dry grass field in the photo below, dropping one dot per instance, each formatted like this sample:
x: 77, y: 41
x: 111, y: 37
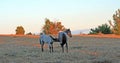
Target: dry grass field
x: 82, y: 49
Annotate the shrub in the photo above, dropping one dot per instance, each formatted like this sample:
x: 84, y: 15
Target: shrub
x: 29, y: 33
x: 104, y: 28
x: 20, y: 30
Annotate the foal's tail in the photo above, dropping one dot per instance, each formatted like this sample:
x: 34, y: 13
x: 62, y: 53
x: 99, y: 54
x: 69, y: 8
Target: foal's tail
x: 55, y: 39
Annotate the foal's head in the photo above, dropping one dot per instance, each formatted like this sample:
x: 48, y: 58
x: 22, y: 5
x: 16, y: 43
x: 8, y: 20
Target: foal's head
x: 68, y: 31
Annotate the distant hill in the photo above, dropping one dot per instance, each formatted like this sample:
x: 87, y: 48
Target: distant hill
x: 83, y: 31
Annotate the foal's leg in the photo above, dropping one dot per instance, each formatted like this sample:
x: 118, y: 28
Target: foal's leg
x: 66, y: 47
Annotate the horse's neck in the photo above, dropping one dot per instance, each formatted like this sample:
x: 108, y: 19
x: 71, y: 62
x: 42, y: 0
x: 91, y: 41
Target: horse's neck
x: 65, y: 32
x: 62, y: 32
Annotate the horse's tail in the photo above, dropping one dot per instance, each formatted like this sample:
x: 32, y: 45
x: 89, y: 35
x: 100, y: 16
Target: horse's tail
x: 54, y: 39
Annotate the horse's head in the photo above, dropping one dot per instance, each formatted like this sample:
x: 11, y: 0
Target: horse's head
x: 68, y: 31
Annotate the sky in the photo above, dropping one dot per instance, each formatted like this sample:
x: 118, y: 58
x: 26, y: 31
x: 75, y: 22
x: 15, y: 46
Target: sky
x: 74, y: 14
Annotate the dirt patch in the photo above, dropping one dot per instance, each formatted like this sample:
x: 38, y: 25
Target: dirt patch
x: 36, y: 45
x: 1, y: 41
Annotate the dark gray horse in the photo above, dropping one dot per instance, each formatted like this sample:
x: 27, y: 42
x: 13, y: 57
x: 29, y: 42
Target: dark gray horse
x: 62, y: 38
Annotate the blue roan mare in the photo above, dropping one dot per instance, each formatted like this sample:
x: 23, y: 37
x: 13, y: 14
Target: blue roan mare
x: 46, y: 39
x: 62, y: 38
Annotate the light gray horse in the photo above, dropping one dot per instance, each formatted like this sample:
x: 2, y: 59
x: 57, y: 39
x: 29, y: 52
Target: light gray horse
x: 46, y: 39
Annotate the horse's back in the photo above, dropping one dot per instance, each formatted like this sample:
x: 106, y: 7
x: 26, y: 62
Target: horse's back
x: 62, y: 36
x: 46, y: 38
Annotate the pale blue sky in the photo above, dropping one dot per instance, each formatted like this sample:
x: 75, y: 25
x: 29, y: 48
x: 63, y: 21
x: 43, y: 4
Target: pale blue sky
x: 74, y: 14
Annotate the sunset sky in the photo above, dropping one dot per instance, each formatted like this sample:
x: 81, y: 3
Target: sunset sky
x: 74, y: 14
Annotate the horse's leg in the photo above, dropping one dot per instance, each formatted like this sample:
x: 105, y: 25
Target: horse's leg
x: 42, y: 47
x: 62, y: 47
x: 66, y: 47
x: 52, y: 47
x: 42, y: 44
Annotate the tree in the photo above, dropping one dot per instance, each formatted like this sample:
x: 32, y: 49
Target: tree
x: 104, y: 28
x: 46, y: 27
x: 116, y: 26
x: 52, y: 27
x: 20, y: 30
x: 29, y: 33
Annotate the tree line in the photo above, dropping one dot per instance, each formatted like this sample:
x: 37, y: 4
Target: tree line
x: 52, y: 27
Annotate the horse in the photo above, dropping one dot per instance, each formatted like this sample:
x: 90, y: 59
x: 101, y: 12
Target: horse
x: 46, y: 39
x: 63, y: 39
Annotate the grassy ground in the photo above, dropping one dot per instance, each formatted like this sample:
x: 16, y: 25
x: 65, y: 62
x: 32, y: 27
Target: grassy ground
x: 15, y: 49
